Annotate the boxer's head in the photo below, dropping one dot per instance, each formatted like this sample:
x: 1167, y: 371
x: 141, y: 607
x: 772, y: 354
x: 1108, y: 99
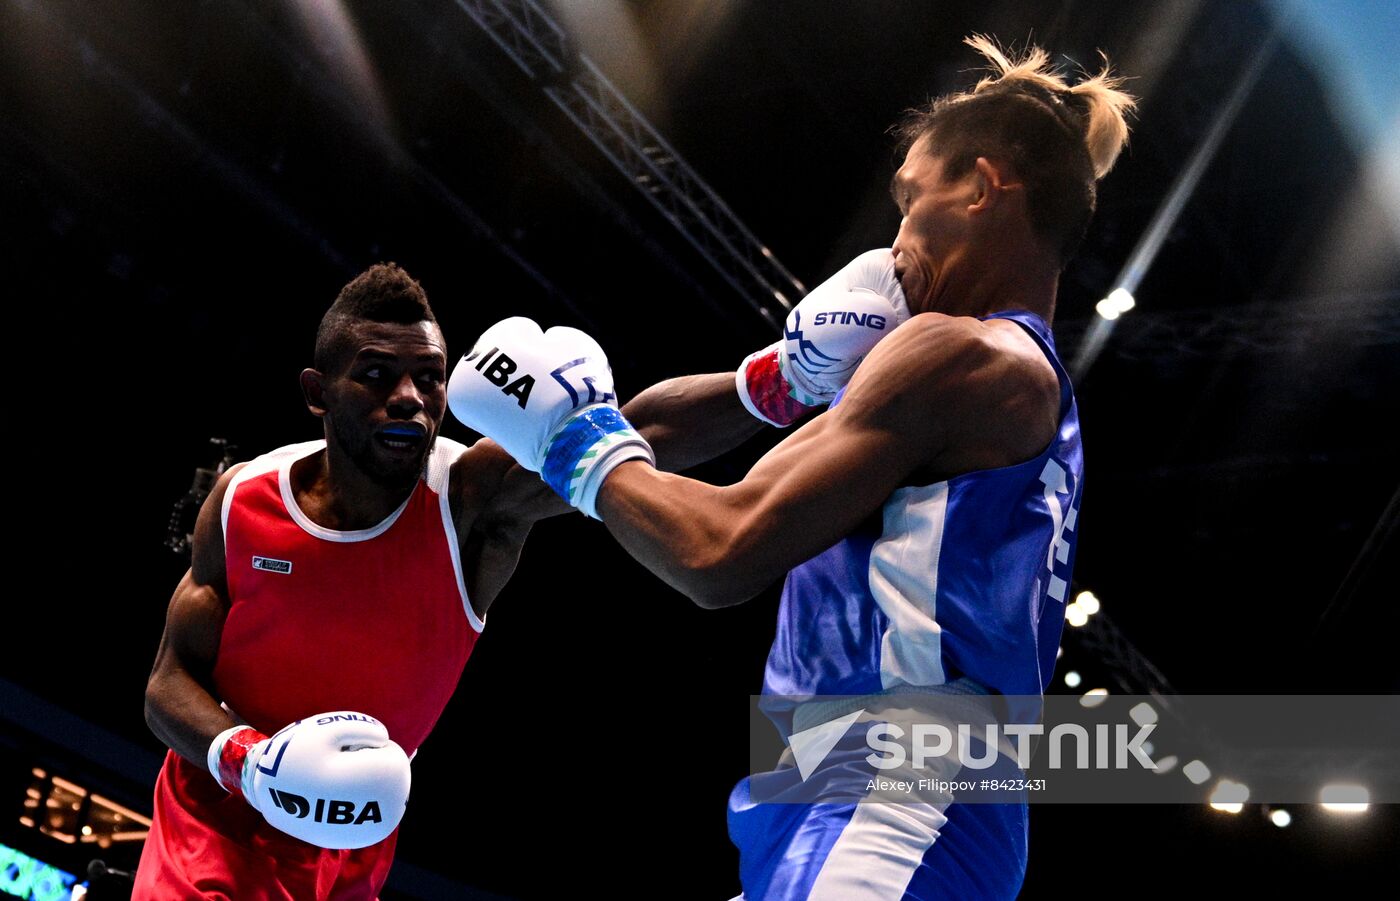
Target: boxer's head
x: 380, y: 375
x: 1019, y: 154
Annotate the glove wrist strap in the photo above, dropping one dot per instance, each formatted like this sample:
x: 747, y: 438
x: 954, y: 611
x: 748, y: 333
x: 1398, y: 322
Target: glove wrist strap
x: 228, y: 754
x: 588, y: 446
x: 766, y: 392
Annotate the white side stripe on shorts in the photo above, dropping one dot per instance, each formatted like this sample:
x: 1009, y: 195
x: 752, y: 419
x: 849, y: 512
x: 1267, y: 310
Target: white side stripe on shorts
x: 876, y: 854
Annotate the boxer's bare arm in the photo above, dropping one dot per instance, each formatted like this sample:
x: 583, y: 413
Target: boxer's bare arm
x: 495, y: 503
x: 180, y: 707
x: 691, y: 419
x: 941, y: 394
x: 687, y: 420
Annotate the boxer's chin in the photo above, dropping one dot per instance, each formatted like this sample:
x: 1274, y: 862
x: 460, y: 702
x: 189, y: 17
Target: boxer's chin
x: 394, y: 469
x: 388, y: 466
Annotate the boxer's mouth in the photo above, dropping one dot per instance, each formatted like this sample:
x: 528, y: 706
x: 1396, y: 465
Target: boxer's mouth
x: 404, y: 437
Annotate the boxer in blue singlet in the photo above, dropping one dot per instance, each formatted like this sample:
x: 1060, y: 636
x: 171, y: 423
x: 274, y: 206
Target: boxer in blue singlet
x: 925, y: 523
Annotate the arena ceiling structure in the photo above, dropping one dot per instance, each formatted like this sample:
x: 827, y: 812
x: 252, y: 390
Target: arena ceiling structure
x: 187, y: 186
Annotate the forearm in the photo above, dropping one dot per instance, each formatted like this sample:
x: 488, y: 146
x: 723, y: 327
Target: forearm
x: 686, y: 532
x: 691, y: 419
x: 180, y: 706
x: 183, y: 714
x: 721, y: 546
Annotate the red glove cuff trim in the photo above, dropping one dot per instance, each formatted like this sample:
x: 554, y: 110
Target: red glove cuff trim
x: 769, y: 391
x: 232, y: 756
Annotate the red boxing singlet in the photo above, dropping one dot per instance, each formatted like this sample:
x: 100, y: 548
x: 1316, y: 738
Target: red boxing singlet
x: 376, y: 621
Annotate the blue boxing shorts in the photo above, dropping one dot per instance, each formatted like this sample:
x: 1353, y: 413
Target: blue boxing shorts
x: 857, y: 848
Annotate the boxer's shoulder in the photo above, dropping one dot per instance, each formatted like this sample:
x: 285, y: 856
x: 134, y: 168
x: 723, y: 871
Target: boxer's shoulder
x: 207, y: 549
x: 476, y: 477
x: 1032, y: 387
x: 992, y: 360
x: 932, y: 358
x: 981, y: 392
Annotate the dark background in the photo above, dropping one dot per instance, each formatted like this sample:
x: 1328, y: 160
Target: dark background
x: 186, y: 187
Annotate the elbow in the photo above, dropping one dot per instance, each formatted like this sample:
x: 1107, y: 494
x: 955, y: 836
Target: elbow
x: 717, y: 598
x: 706, y: 595
x: 723, y: 576
x: 154, y: 707
x: 720, y: 587
x: 151, y: 711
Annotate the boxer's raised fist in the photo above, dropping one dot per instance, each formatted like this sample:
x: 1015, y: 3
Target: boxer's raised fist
x: 547, y: 398
x: 824, y: 339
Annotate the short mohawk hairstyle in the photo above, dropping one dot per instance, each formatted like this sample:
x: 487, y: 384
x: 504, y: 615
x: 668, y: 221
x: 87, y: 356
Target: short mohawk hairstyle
x: 382, y: 293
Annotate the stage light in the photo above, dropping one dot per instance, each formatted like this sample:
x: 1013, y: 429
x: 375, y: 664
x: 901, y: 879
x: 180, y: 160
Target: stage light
x: 1196, y: 771
x: 1166, y: 764
x: 1093, y: 697
x: 1341, y: 798
x: 1143, y: 714
x: 1111, y: 307
x: 329, y: 29
x: 1280, y: 818
x: 1075, y: 615
x: 1088, y: 602
x: 1072, y: 679
x: 1118, y: 302
x: 71, y: 813
x: 1229, y: 796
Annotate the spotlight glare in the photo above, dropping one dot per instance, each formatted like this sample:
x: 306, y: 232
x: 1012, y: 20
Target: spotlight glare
x: 1196, y: 771
x: 1229, y: 793
x: 1106, y: 309
x: 1165, y: 764
x: 1088, y: 602
x: 1121, y: 299
x: 1227, y: 808
x: 1075, y: 615
x: 1072, y: 679
x: 1343, y: 798
x: 1280, y: 818
x: 1143, y: 714
x: 1093, y: 697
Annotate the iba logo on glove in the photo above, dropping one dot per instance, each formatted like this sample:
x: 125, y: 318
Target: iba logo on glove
x: 502, y: 367
x: 499, y: 374
x: 336, y: 813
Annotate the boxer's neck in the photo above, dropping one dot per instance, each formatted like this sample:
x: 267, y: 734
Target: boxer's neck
x: 335, y: 494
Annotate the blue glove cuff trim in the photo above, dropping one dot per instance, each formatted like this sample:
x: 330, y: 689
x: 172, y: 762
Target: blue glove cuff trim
x: 572, y: 449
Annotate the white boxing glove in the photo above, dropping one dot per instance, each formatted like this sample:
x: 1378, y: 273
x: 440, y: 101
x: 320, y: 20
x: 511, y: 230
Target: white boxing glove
x: 335, y: 780
x: 824, y: 339
x: 547, y: 398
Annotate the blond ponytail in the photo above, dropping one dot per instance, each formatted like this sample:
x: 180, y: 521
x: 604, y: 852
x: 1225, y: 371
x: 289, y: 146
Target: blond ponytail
x: 1105, y: 105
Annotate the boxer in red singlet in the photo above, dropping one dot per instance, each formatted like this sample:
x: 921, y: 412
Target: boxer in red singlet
x: 353, y: 573
x: 348, y: 573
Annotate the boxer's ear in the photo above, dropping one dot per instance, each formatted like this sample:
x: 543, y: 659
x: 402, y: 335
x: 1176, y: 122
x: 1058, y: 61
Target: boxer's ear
x: 994, y: 179
x: 313, y: 391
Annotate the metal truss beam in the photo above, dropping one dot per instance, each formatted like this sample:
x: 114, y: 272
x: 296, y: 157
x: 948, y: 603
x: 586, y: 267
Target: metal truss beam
x: 544, y: 52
